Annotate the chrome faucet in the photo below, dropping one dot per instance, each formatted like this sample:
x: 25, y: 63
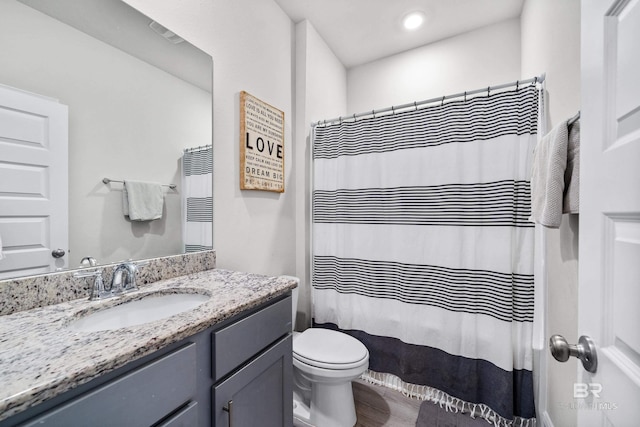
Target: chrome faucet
x: 126, y: 284
x: 123, y: 280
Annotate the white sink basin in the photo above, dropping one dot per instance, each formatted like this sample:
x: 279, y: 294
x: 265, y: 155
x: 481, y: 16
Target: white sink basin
x: 137, y: 312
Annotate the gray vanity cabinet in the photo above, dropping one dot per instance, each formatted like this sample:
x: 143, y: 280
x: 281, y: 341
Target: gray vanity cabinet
x: 253, y: 359
x: 245, y: 360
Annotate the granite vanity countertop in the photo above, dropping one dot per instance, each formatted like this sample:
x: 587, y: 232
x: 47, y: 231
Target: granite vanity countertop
x: 40, y: 357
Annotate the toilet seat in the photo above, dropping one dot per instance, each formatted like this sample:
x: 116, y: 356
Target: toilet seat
x: 328, y: 349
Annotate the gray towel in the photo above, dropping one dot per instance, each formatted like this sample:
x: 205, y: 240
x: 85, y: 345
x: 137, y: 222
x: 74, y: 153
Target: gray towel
x: 571, y: 202
x: 142, y: 201
x: 548, y: 176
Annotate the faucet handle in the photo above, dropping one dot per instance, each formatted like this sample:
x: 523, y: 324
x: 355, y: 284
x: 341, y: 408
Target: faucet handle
x: 130, y: 283
x: 133, y: 267
x: 97, y: 289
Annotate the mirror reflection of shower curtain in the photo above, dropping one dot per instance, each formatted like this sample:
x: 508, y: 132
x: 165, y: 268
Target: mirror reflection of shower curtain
x: 422, y: 248
x: 197, y: 198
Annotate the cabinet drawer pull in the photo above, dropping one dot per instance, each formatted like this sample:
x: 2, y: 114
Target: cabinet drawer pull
x: 229, y: 409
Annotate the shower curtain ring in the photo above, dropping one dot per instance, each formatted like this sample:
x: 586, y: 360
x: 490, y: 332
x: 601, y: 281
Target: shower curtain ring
x: 517, y: 85
x: 488, y: 90
x: 465, y: 96
x: 415, y: 104
x: 442, y: 102
x: 373, y: 113
x: 354, y: 118
x: 393, y: 110
x: 340, y: 119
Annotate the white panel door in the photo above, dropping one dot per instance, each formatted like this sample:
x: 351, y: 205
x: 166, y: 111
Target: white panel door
x: 609, y: 286
x: 33, y: 183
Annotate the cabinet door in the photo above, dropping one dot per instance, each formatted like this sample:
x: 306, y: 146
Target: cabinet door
x: 259, y: 394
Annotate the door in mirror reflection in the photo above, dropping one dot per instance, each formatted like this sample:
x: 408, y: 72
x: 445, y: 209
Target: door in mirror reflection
x: 33, y: 183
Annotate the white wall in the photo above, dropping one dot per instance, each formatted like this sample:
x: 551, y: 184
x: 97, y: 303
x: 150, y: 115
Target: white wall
x: 480, y: 58
x: 127, y: 119
x: 321, y: 92
x: 252, y: 45
x: 551, y: 44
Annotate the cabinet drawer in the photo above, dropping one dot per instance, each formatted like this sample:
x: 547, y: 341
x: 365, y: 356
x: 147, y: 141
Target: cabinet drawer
x: 238, y: 342
x: 187, y: 417
x: 140, y: 398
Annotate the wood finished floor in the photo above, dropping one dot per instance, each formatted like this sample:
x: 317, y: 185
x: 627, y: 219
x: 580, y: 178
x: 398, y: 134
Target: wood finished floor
x: 378, y: 406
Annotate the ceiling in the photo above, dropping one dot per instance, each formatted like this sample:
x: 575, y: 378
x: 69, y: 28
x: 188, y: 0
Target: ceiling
x: 118, y: 24
x: 361, y: 31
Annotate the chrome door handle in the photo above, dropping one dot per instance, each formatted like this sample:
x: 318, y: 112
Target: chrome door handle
x: 585, y: 350
x: 57, y: 253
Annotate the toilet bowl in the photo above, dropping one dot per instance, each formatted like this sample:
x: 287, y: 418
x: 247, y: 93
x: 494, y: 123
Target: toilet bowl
x: 324, y: 364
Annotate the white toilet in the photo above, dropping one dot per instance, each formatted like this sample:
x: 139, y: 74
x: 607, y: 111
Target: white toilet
x: 324, y: 364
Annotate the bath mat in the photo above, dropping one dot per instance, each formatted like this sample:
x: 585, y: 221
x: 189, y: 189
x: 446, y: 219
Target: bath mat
x: 432, y: 415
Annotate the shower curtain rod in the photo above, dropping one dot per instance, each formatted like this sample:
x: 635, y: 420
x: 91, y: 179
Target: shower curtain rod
x: 199, y: 148
x: 393, y: 109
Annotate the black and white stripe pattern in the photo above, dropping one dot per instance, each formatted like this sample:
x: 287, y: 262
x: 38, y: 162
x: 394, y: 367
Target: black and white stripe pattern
x: 199, y: 209
x: 197, y: 166
x: 502, y: 203
x: 198, y: 162
x: 503, y: 296
x: 478, y: 119
x: 196, y: 248
x: 421, y: 236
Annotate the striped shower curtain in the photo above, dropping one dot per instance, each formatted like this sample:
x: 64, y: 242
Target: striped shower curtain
x: 197, y: 195
x: 422, y: 248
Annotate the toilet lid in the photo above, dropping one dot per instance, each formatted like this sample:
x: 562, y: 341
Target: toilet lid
x: 323, y: 347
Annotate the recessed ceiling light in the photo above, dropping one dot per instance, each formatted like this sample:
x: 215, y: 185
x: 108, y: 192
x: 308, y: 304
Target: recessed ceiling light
x: 413, y: 20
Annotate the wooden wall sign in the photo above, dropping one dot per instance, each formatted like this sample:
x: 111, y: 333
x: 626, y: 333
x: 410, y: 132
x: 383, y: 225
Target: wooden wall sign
x: 261, y: 145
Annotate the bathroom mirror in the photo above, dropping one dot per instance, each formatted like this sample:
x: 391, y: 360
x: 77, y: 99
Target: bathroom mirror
x: 137, y: 96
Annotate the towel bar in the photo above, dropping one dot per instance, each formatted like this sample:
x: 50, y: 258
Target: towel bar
x: 573, y: 119
x: 108, y: 180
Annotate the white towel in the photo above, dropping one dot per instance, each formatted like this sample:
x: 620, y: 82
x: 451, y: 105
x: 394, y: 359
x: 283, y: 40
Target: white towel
x: 142, y: 201
x: 547, y: 177
x: 571, y: 202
